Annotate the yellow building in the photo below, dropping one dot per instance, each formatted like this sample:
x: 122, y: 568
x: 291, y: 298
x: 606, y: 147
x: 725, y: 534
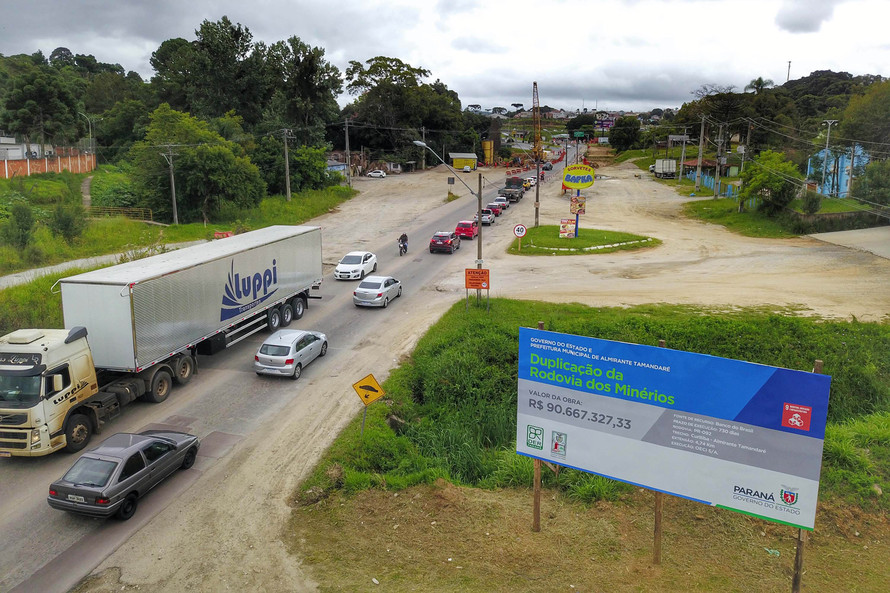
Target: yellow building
x: 459, y: 160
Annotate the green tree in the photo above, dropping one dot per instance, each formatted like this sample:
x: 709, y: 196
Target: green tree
x: 228, y: 72
x: 210, y: 175
x: 758, y: 84
x: 874, y: 185
x: 190, y: 141
x: 625, y: 134
x: 306, y: 88
x: 381, y: 70
x: 173, y: 63
x: 867, y: 117
x: 772, y: 179
x: 17, y: 230
x: 122, y: 125
x: 38, y: 105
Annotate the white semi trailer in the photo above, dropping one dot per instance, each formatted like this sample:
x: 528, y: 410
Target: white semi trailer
x: 135, y: 329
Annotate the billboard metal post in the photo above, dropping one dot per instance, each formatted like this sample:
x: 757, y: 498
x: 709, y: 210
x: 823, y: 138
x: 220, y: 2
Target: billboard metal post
x: 659, y: 507
x: 536, y: 511
x: 801, y: 534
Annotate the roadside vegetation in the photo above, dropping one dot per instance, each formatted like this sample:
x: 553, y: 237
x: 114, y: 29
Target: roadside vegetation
x: 545, y: 240
x: 435, y: 478
x: 35, y: 233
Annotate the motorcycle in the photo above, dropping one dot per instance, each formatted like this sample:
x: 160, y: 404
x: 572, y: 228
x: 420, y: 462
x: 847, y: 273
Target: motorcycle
x: 403, y: 248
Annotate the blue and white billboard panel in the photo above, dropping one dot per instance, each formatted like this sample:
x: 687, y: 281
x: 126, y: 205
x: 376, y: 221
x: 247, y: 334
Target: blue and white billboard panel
x: 727, y: 433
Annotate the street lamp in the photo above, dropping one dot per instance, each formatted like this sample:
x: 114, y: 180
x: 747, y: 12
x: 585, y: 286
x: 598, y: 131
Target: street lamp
x: 830, y: 122
x: 90, y: 123
x: 478, y: 198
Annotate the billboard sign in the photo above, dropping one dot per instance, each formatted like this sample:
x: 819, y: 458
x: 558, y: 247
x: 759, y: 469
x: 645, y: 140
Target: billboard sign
x: 727, y: 433
x: 578, y: 205
x: 578, y: 176
x: 567, y: 228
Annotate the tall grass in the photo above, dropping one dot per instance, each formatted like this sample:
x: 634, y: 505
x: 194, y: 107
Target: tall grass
x: 457, y: 393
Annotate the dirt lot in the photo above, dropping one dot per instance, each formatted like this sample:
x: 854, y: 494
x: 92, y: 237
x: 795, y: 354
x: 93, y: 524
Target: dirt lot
x: 228, y: 535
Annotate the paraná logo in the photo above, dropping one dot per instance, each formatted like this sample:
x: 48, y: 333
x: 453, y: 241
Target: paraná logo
x: 789, y: 497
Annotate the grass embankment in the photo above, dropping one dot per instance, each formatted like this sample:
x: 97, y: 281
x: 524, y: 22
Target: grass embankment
x: 545, y: 240
x: 450, y: 419
x: 116, y: 235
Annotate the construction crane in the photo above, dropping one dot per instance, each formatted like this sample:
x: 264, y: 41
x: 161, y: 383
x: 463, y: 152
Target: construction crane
x: 537, y: 149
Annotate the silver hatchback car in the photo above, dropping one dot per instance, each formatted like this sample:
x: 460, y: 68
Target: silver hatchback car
x: 376, y: 291
x: 287, y: 352
x: 110, y: 479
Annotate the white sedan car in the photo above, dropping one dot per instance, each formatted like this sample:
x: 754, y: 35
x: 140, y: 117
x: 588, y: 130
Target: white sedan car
x: 377, y: 173
x: 355, y: 265
x: 533, y: 180
x: 377, y: 291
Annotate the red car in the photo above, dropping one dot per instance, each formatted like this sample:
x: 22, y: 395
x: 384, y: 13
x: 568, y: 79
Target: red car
x: 467, y: 229
x: 495, y: 208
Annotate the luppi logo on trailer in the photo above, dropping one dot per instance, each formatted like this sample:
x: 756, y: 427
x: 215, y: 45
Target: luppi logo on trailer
x: 246, y: 292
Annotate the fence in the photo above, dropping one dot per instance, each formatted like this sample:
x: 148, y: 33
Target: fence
x: 726, y: 190
x: 108, y: 211
x: 76, y: 163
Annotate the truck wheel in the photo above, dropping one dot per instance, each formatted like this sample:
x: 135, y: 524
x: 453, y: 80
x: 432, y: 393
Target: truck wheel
x: 161, y: 384
x: 128, y: 508
x: 287, y: 314
x: 77, y: 433
x: 184, y: 368
x: 274, y: 319
x: 299, y: 307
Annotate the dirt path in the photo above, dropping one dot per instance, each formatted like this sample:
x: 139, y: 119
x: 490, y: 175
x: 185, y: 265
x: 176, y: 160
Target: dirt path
x: 224, y: 533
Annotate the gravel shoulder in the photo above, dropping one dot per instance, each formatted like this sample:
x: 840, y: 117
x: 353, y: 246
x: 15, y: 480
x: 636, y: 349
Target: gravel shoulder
x: 224, y: 533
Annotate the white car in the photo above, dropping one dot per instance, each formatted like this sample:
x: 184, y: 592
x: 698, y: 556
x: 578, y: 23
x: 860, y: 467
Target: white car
x: 287, y: 351
x: 376, y: 291
x: 503, y: 201
x: 355, y: 265
x: 487, y: 216
x: 377, y: 173
x: 532, y: 180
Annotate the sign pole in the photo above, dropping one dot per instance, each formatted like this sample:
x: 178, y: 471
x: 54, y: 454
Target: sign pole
x: 577, y: 217
x: 536, y: 508
x: 659, y: 507
x: 364, y: 416
x: 801, y: 534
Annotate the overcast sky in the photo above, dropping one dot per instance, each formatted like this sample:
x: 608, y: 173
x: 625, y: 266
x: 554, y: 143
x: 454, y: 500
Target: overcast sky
x: 610, y: 54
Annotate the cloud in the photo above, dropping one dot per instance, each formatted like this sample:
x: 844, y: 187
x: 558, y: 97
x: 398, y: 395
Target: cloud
x: 477, y: 45
x: 805, y: 16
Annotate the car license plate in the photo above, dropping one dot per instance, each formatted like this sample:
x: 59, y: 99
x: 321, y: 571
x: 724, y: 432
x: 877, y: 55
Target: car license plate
x: 75, y: 498
x: 5, y: 454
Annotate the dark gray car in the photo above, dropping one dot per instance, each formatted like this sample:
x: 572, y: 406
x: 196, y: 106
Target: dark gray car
x: 110, y: 479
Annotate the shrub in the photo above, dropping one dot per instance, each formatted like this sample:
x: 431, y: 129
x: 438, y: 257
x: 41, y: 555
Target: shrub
x: 812, y: 202
x: 68, y: 221
x: 18, y: 229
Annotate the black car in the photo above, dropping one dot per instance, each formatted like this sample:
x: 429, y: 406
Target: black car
x: 547, y: 167
x: 110, y: 479
x: 447, y: 241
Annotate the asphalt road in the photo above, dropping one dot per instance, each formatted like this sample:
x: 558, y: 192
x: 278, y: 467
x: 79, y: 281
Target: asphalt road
x: 47, y: 550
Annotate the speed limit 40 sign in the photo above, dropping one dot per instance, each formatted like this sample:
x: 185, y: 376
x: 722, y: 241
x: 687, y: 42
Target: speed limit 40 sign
x: 519, y: 230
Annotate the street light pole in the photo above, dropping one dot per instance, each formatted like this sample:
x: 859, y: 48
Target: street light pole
x: 478, y: 208
x: 90, y: 127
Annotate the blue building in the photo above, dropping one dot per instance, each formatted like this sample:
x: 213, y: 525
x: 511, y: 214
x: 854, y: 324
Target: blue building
x: 839, y: 172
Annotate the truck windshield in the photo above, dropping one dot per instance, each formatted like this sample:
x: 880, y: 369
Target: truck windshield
x: 19, y: 392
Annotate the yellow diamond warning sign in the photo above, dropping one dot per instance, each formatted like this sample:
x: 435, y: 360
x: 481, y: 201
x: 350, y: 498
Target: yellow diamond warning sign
x: 368, y: 389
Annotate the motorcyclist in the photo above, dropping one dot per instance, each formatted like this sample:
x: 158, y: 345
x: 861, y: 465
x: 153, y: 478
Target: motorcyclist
x: 403, y: 242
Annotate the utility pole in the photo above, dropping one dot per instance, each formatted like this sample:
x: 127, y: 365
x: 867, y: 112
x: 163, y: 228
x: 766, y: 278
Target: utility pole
x: 479, y: 243
x: 830, y: 123
x: 168, y: 156
x: 852, y: 168
x: 286, y: 165
x: 348, y: 160
x: 719, y: 154
x: 787, y: 78
x: 683, y: 153
x: 423, y: 164
x: 701, y: 146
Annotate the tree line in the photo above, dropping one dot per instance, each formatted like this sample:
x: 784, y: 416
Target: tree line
x: 221, y: 107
